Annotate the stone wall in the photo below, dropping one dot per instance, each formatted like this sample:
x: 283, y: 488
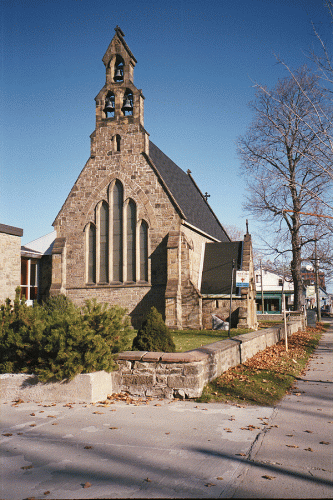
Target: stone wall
x: 184, y: 375
x: 10, y: 261
x: 156, y: 374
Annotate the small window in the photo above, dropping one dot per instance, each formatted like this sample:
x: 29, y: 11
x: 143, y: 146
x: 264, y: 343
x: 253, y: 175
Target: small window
x: 92, y: 254
x: 118, y: 140
x: 29, y: 288
x: 143, y: 251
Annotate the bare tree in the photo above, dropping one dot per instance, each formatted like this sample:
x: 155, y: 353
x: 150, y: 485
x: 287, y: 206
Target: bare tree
x: 322, y: 61
x: 234, y: 232
x: 284, y: 160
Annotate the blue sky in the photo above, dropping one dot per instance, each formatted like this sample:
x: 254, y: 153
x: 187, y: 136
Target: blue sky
x: 197, y: 64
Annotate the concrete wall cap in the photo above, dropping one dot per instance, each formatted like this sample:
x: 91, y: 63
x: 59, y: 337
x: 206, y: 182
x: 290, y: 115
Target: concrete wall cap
x: 183, y: 357
x: 132, y: 355
x: 152, y: 356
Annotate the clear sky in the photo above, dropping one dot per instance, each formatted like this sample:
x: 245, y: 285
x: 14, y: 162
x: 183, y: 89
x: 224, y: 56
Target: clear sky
x: 197, y: 64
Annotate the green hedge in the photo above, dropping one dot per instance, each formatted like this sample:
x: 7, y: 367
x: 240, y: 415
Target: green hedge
x: 58, y: 340
x: 154, y: 335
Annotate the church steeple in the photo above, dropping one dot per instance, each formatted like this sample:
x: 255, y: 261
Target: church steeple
x: 119, y: 100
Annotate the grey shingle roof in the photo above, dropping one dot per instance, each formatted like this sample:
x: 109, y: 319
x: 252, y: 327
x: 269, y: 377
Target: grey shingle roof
x: 216, y: 273
x: 187, y: 195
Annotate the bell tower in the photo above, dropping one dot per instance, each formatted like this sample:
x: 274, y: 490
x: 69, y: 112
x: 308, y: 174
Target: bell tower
x: 119, y: 101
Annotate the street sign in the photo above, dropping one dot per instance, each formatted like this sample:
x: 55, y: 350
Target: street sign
x: 242, y: 279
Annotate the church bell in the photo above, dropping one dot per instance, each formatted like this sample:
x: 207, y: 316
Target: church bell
x: 109, y: 106
x: 128, y: 105
x: 119, y: 75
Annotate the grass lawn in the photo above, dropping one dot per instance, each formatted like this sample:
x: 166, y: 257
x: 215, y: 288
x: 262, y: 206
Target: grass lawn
x: 266, y: 377
x: 186, y: 340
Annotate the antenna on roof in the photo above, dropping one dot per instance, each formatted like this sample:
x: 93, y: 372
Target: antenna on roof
x: 206, y: 196
x: 247, y: 226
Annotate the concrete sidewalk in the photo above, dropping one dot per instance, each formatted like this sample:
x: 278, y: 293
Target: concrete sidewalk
x: 177, y: 449
x: 293, y: 458
x: 137, y: 450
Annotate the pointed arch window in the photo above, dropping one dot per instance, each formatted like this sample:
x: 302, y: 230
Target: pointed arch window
x: 117, y: 243
x: 131, y: 236
x: 104, y: 243
x: 91, y: 254
x: 143, y: 236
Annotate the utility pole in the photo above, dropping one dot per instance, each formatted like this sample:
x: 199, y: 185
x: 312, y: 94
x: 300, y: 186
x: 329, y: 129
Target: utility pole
x: 262, y: 291
x: 317, y: 282
x: 284, y: 311
x: 232, y: 286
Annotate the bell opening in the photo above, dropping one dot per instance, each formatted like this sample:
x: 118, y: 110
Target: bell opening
x: 109, y: 106
x: 127, y: 108
x: 119, y: 69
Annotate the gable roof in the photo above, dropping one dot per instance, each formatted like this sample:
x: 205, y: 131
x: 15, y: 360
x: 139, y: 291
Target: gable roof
x: 216, y: 273
x: 187, y: 195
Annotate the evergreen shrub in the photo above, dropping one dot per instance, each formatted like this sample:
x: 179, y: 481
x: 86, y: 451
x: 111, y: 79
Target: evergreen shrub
x: 58, y: 340
x: 154, y: 335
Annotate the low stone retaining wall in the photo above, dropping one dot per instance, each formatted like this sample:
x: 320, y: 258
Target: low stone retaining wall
x: 166, y: 375
x: 185, y: 374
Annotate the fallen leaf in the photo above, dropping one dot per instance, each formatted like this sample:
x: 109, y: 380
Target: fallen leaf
x: 20, y: 433
x: 7, y: 434
x: 220, y: 478
x: 324, y: 442
x: 51, y: 416
x: 86, y: 485
x: 98, y: 413
x: 292, y: 446
x: 167, y: 433
x: 148, y: 480
x: 33, y: 425
x: 18, y: 401
x: 290, y: 435
x: 47, y: 492
x: 157, y: 404
x: 268, y: 477
x: 308, y: 449
x: 210, y: 484
x: 26, y: 467
x: 241, y: 454
x: 113, y: 428
x: 32, y: 414
x: 88, y: 447
x: 310, y: 432
x: 319, y: 409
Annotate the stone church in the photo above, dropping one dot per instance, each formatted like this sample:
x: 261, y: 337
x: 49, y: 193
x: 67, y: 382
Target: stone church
x: 135, y: 229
